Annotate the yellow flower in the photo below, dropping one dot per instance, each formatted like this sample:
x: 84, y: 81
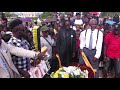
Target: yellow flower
x: 66, y: 75
x: 57, y: 71
x: 60, y: 69
x: 55, y: 75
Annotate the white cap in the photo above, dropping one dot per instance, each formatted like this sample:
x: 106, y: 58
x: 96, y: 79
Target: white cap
x: 8, y: 32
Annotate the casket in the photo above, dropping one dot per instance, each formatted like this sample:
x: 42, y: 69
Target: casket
x: 83, y: 67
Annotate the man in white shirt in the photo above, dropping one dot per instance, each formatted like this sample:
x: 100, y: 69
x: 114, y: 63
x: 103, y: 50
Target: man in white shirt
x: 77, y: 21
x: 91, y: 44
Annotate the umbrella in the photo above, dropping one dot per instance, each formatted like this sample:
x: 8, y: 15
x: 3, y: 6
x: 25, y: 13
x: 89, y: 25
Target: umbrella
x: 26, y: 19
x: 96, y: 13
x: 50, y: 20
x: 111, y: 22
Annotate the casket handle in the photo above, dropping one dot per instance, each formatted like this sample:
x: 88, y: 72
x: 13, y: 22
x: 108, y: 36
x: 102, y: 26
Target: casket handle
x: 88, y: 63
x: 59, y: 60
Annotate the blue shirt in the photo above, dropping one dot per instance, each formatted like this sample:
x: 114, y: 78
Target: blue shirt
x: 2, y: 63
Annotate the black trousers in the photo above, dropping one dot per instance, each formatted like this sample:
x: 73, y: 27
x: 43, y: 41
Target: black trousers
x: 115, y: 63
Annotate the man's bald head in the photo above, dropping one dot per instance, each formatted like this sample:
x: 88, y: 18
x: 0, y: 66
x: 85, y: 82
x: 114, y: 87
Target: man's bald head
x: 93, y: 23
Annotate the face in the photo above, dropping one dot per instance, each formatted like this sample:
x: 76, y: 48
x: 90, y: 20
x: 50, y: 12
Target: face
x: 78, y: 16
x: 67, y: 24
x: 4, y: 23
x: 86, y: 20
x: 77, y: 27
x: 19, y: 30
x: 58, y: 28
x: 98, y: 27
x: 68, y: 16
x: 5, y: 29
x: 51, y: 28
x: 88, y: 15
x: 93, y: 24
x: 62, y: 17
x: 45, y: 33
x: 107, y: 31
x: 116, y: 32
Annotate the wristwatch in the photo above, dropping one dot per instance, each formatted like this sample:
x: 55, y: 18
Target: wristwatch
x: 36, y: 56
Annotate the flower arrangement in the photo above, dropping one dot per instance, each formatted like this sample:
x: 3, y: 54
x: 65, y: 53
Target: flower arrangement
x: 70, y: 72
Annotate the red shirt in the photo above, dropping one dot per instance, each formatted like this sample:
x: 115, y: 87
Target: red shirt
x: 77, y: 44
x: 113, y: 45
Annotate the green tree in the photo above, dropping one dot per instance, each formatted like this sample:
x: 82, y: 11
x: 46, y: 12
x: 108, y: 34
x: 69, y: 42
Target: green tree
x: 112, y: 14
x: 8, y: 14
x: 46, y: 15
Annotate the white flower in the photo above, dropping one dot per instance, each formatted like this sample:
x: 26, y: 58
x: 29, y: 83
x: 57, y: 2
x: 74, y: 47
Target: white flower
x: 73, y: 71
x: 69, y: 69
x: 72, y: 68
x: 62, y: 74
x: 76, y: 72
x: 72, y: 74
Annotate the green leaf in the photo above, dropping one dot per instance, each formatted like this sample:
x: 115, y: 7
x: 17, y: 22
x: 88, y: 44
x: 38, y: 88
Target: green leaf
x: 59, y: 76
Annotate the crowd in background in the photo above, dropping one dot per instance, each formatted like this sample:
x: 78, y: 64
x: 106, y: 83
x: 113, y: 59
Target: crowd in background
x: 68, y: 37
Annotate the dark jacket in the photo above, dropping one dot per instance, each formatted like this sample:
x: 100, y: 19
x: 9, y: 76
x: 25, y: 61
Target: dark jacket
x: 116, y: 19
x: 61, y: 46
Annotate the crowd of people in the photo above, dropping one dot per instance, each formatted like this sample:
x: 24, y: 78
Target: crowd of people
x: 67, y: 37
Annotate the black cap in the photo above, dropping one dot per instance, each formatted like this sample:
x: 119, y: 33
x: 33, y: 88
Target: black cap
x: 78, y: 14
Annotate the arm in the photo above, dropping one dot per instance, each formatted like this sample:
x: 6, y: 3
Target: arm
x: 105, y: 45
x: 105, y: 57
x: 82, y: 40
x: 21, y: 52
x: 74, y: 41
x: 99, y: 45
x: 58, y: 42
x: 53, y: 42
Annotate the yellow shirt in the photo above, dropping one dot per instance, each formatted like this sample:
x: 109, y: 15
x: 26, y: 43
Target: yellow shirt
x: 55, y: 31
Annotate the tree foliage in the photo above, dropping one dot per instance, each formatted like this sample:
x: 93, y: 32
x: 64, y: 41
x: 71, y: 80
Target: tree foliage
x: 112, y: 14
x: 7, y: 14
x: 46, y: 15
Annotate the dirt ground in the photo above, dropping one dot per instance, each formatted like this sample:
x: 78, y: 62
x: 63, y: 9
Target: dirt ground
x: 110, y: 75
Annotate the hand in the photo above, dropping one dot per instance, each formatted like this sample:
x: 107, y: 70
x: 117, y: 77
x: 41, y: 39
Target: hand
x: 34, y: 63
x: 95, y: 59
x: 41, y: 55
x: 73, y: 55
x: 81, y: 50
x: 106, y: 58
x: 25, y: 74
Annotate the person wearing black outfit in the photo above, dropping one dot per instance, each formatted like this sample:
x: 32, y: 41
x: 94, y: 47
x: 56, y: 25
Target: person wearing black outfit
x: 116, y: 18
x: 65, y: 44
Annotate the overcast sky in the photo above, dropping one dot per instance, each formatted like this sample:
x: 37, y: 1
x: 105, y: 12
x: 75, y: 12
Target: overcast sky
x: 26, y: 12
